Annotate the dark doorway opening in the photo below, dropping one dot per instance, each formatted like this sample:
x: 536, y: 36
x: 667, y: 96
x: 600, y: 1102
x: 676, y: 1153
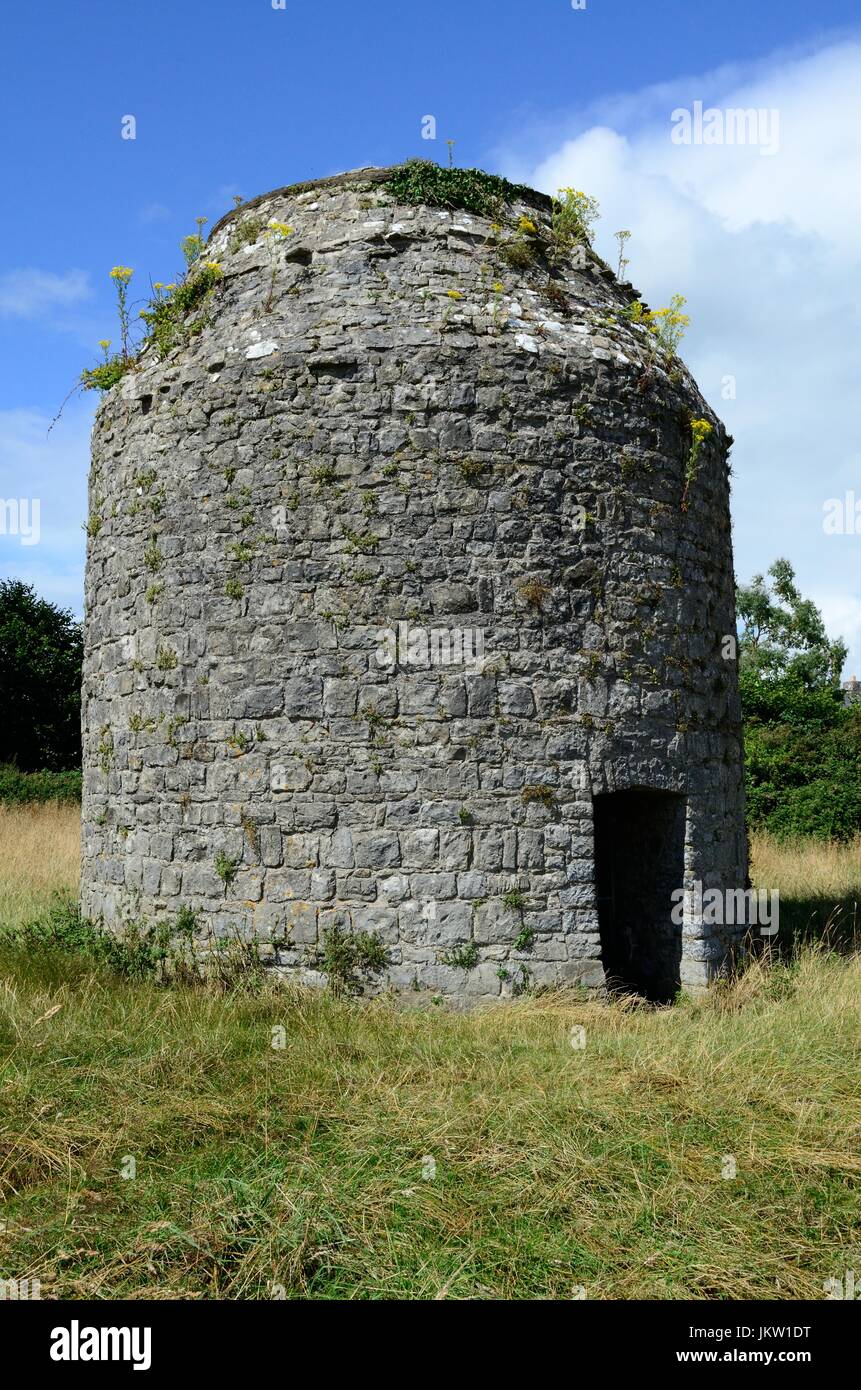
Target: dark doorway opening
x: 640, y: 860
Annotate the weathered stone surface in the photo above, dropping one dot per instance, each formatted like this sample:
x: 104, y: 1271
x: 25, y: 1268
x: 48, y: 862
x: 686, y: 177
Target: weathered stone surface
x: 382, y: 548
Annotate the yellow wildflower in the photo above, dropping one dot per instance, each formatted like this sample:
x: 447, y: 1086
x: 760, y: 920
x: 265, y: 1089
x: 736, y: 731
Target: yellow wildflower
x: 527, y: 225
x: 123, y: 273
x: 280, y: 228
x: 455, y: 294
x: 498, y: 287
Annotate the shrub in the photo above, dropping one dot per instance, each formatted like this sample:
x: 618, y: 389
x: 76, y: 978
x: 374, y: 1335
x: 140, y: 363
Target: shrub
x: 107, y: 373
x: 700, y: 431
x: 557, y: 297
x: 420, y: 181
x: 246, y: 233
x: 668, y: 325
x: 573, y: 217
x: 461, y: 957
x: 519, y: 253
x: 351, y: 960
x: 165, y: 659
x: 19, y: 787
x: 226, y: 868
x: 533, y: 592
x: 168, y: 315
x: 139, y: 952
x: 802, y: 759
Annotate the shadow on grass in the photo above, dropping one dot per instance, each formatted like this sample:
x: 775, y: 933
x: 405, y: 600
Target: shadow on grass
x: 816, y: 920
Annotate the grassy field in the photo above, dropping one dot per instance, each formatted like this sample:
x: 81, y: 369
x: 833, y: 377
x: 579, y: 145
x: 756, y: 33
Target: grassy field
x: 39, y: 850
x: 387, y: 1152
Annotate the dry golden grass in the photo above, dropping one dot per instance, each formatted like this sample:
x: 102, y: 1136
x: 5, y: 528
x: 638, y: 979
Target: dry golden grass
x: 806, y: 868
x: 39, y: 856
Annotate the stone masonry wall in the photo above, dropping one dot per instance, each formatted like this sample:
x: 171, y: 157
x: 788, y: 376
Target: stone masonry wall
x: 384, y: 427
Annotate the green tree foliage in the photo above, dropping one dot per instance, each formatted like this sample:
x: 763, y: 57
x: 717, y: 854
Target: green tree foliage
x: 802, y: 743
x: 23, y: 788
x: 782, y: 635
x: 41, y: 649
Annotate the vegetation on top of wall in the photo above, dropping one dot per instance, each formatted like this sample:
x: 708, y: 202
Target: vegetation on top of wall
x: 420, y: 181
x: 573, y: 217
x: 168, y: 315
x: 668, y: 325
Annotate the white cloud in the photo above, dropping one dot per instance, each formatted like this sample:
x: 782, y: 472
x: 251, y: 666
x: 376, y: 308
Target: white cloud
x: 842, y: 614
x: 767, y: 251
x: 28, y: 294
x: 53, y: 469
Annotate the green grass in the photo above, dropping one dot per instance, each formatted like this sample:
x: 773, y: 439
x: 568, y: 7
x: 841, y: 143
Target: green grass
x: 301, y: 1167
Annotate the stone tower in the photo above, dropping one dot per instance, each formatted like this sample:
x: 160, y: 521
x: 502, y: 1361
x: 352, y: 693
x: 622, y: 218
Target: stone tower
x: 409, y: 609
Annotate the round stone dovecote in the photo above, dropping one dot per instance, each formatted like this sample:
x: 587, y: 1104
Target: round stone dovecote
x: 409, y: 611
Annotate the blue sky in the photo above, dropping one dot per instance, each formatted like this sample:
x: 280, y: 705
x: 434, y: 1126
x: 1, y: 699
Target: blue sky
x: 234, y: 96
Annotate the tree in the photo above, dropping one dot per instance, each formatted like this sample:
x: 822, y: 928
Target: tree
x: 41, y: 649
x: 802, y: 744
x: 783, y: 636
